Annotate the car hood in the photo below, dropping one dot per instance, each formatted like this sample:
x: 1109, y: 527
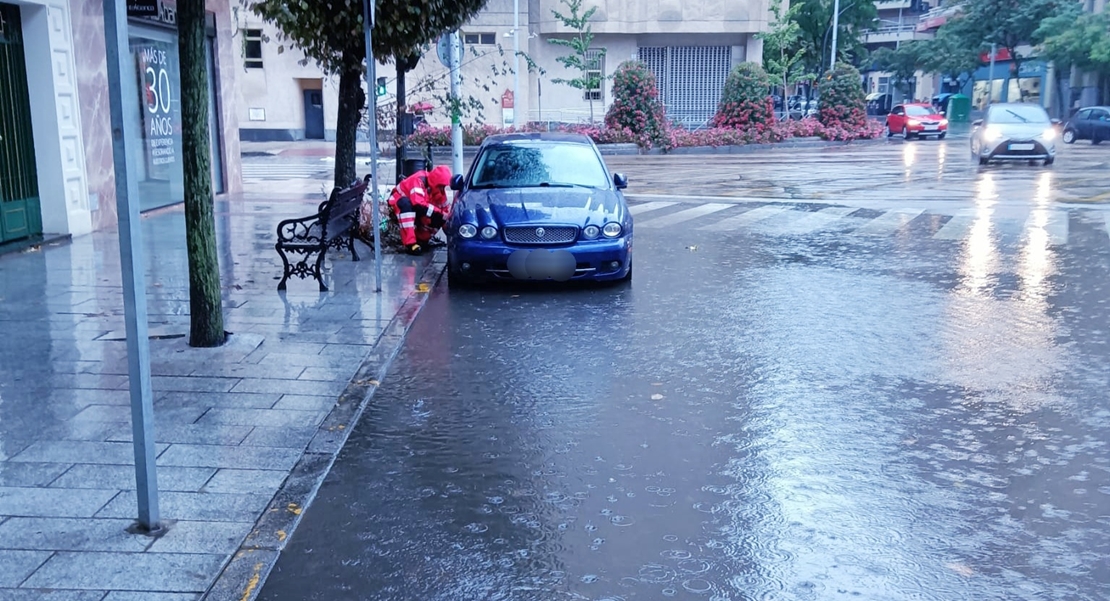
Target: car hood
x: 579, y: 206
x: 1022, y: 130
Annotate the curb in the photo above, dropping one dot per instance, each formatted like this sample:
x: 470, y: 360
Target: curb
x: 242, y: 576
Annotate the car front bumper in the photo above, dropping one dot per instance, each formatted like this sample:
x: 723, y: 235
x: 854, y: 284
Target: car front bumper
x: 922, y: 130
x: 594, y: 260
x: 1019, y: 150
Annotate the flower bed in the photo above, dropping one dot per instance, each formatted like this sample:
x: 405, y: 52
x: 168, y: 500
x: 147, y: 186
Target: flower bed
x: 674, y: 137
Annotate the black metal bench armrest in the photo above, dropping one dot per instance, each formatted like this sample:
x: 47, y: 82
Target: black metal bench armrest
x: 300, y: 229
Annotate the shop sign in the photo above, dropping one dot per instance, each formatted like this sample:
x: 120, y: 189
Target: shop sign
x: 157, y: 102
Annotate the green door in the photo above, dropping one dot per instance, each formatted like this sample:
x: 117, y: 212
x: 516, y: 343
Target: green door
x: 20, y: 212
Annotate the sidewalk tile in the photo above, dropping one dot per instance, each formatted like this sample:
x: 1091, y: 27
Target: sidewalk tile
x: 300, y: 402
x: 202, y: 537
x: 245, y: 370
x: 291, y: 386
x: 269, y: 418
x: 127, y: 571
x: 280, y: 361
x: 200, y: 506
x: 29, y: 474
x: 73, y: 451
x: 246, y: 481
x: 78, y: 428
x: 240, y: 457
x: 122, y: 413
x: 10, y: 594
x: 238, y: 400
x: 147, y: 596
x: 71, y: 534
x: 122, y: 477
x: 290, y: 438
x: 188, y: 434
x: 53, y: 502
x: 324, y: 374
x: 16, y: 566
x: 191, y: 384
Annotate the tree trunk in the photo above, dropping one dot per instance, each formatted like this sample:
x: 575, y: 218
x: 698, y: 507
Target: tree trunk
x: 402, y: 66
x: 351, y: 100
x: 206, y: 320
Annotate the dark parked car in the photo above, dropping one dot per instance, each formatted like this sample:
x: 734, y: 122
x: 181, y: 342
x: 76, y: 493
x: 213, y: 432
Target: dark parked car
x: 1090, y: 123
x: 539, y: 206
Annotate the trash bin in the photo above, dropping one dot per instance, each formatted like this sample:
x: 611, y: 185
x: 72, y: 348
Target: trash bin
x: 413, y: 165
x: 959, y: 108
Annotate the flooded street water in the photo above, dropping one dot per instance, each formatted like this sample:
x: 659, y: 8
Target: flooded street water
x: 868, y: 403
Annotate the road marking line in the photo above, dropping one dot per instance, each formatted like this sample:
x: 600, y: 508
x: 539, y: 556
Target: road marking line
x: 743, y: 219
x: 649, y: 206
x: 1107, y: 216
x: 957, y: 228
x: 1055, y: 225
x: 888, y: 222
x: 686, y: 215
x: 805, y: 223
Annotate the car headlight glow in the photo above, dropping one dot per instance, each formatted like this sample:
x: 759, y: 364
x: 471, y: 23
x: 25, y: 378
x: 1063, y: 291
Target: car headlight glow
x: 590, y: 232
x: 992, y: 133
x: 489, y: 232
x: 915, y: 122
x: 468, y: 231
x: 612, y: 229
x: 1049, y: 134
x: 944, y: 121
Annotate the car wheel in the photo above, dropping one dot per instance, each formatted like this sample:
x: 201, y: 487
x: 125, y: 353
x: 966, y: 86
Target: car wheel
x: 889, y: 130
x: 905, y: 133
x: 941, y: 136
x: 1049, y: 161
x: 984, y: 160
x: 456, y: 280
x: 1069, y: 136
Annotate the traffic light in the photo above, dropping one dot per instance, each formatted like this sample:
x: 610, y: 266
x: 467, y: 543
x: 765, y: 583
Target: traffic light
x: 381, y: 87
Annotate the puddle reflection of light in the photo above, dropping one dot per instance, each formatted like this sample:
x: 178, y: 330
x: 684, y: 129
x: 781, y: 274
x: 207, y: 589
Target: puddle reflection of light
x: 1037, y: 256
x: 980, y: 254
x: 909, y: 153
x: 942, y: 152
x: 1044, y: 190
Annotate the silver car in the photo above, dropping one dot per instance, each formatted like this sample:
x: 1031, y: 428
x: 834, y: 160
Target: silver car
x: 1014, y: 132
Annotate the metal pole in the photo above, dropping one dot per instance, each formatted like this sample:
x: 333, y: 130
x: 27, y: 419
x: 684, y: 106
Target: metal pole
x: 372, y: 125
x: 836, y: 25
x: 516, y: 59
x: 898, y: 40
x: 456, y: 125
x: 990, y: 86
x: 123, y: 97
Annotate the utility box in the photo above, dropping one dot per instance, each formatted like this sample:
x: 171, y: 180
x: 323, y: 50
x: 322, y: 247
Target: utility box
x: 959, y: 108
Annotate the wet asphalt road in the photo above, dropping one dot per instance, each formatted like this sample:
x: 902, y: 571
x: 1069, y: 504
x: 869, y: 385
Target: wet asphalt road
x: 820, y: 400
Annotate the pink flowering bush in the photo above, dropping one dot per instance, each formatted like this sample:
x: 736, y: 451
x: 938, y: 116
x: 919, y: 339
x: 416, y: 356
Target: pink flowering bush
x: 843, y: 105
x: 745, y: 103
x: 636, y: 108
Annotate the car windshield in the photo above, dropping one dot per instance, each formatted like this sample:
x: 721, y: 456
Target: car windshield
x: 536, y: 164
x: 1018, y: 114
x: 918, y: 111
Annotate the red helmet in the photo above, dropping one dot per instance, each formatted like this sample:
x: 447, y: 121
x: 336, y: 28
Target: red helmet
x: 440, y: 176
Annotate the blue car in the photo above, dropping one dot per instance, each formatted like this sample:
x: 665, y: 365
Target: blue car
x: 538, y: 207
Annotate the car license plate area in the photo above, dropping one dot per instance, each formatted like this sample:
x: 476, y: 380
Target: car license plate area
x: 1021, y: 147
x: 930, y: 128
x: 558, y: 265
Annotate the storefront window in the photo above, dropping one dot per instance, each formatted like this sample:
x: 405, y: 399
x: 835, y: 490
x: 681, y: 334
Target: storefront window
x: 986, y: 92
x: 158, y: 155
x: 1028, y: 90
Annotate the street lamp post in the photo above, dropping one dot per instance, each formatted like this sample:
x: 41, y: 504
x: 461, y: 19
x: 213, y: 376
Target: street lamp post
x: 836, y: 24
x: 516, y: 58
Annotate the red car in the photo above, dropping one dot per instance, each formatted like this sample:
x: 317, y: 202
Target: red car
x: 916, y: 120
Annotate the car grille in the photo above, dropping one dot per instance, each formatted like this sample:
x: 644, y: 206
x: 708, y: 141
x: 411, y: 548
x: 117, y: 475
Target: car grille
x: 558, y: 234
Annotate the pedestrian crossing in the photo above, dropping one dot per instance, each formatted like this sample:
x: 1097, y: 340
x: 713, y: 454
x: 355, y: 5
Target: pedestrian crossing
x: 286, y: 171
x: 1050, y: 226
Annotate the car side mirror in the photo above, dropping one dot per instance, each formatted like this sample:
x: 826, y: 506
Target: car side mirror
x: 1056, y: 122
x: 977, y: 122
x: 457, y: 182
x: 620, y: 181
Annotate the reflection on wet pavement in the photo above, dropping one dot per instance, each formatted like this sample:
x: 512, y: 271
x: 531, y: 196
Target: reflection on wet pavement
x: 764, y: 414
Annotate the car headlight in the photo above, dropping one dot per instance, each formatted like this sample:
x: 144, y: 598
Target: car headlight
x: 468, y: 231
x: 590, y: 232
x: 944, y: 121
x: 612, y: 229
x: 915, y: 122
x: 992, y: 133
x: 1049, y: 134
x: 489, y: 232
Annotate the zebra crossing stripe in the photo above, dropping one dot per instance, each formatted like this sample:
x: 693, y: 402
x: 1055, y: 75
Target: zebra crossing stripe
x: 1107, y: 217
x: 686, y: 215
x: 743, y: 219
x: 1053, y: 223
x: 649, y: 206
x: 958, y: 227
x: 805, y: 223
x: 888, y: 222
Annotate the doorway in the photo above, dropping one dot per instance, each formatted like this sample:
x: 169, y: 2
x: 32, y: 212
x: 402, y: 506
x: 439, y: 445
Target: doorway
x: 20, y: 210
x: 314, y: 114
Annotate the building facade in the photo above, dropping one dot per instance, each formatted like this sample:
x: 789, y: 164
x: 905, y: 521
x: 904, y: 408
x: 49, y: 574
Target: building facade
x: 691, y: 47
x: 56, y: 161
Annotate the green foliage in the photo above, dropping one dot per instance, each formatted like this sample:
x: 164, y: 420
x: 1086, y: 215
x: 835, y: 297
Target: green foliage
x: 636, y: 106
x: 579, y: 45
x: 1077, y: 39
x: 843, y: 102
x: 745, y: 100
x: 948, y: 53
x: 815, y: 17
x: 902, y: 62
x: 783, y: 53
x: 1006, y: 23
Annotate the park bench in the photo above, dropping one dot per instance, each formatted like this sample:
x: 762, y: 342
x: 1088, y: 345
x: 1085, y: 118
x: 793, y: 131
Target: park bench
x: 334, y: 225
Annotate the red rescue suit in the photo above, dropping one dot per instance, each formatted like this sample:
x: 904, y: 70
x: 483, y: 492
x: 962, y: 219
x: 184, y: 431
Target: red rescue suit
x: 419, y: 204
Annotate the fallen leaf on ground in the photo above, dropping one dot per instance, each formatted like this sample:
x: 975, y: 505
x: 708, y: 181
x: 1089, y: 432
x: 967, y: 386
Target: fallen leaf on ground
x: 656, y: 397
x: 421, y: 287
